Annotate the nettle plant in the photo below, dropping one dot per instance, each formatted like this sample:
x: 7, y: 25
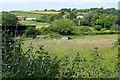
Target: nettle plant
x: 19, y: 64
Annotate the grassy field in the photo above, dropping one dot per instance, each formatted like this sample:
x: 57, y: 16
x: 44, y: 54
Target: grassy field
x: 82, y: 44
x: 33, y: 23
x: 34, y: 14
x: 28, y: 14
x: 45, y: 12
x: 85, y: 45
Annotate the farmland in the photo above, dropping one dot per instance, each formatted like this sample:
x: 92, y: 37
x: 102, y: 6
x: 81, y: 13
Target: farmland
x: 82, y: 44
x: 27, y: 14
x: 90, y: 51
x: 45, y: 12
x: 33, y: 23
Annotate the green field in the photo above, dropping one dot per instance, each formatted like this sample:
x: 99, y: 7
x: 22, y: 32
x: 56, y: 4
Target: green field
x: 82, y: 44
x: 85, y: 45
x: 28, y: 14
x: 33, y: 14
x: 45, y: 12
x: 33, y: 23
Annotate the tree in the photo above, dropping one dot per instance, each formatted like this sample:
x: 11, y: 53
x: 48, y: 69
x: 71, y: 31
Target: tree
x: 9, y: 19
x: 84, y: 22
x: 72, y: 15
x: 109, y: 21
x: 62, y: 26
x: 45, y: 10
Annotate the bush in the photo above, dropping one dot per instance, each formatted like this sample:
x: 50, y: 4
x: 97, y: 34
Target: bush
x: 97, y: 27
x: 85, y: 29
x: 38, y: 20
x: 32, y: 32
x: 44, y: 30
x: 81, y: 30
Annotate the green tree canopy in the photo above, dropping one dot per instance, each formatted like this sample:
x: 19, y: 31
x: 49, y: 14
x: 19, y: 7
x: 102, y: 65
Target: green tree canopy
x: 62, y: 26
x: 9, y: 19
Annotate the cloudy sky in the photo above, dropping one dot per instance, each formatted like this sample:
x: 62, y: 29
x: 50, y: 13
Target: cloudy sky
x: 55, y: 4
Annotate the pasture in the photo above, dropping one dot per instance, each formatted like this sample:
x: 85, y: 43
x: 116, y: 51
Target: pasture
x: 82, y: 44
x: 45, y: 12
x: 33, y: 23
x: 85, y: 45
x: 27, y: 14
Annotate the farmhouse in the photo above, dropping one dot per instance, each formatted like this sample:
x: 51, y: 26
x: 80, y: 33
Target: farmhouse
x: 21, y: 17
x: 31, y: 19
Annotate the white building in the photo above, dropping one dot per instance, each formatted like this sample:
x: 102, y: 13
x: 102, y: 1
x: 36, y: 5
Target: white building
x: 31, y: 19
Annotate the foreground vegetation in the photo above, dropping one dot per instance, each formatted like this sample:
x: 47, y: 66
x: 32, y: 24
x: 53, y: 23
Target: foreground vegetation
x: 40, y: 63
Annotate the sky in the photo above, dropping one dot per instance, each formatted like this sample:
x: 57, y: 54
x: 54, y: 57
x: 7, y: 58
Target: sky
x: 8, y: 5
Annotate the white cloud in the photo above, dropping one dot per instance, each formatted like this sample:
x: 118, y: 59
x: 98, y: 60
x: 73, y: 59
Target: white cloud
x: 74, y: 1
x: 33, y: 0
x: 97, y: 1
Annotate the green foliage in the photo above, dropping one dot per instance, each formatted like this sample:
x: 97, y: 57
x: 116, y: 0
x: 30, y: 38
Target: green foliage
x: 97, y: 27
x: 81, y: 30
x: 44, y: 19
x: 84, y: 22
x: 85, y: 29
x: 25, y: 65
x: 62, y: 26
x: 12, y: 57
x: 32, y: 32
x: 8, y: 19
x: 53, y: 17
x: 99, y: 33
x: 72, y: 15
x: 75, y: 20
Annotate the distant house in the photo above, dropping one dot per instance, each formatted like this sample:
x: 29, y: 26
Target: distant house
x: 31, y: 19
x: 78, y: 17
x: 21, y: 17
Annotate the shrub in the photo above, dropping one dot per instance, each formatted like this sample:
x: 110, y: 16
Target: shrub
x: 97, y: 27
x: 85, y: 29
x: 80, y: 30
x: 38, y: 20
x: 32, y: 32
x: 44, y: 30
